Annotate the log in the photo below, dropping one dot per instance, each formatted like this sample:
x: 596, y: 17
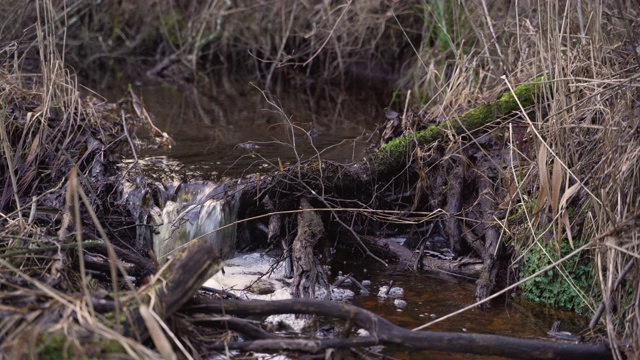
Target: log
x: 179, y: 281
x: 383, y: 332
x: 392, y: 156
x: 469, y: 268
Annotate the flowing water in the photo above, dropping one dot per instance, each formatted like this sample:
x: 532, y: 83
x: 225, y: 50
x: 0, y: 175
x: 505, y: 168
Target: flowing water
x: 230, y: 129
x: 197, y: 210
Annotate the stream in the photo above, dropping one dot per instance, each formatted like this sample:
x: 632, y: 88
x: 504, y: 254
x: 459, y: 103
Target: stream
x: 230, y: 129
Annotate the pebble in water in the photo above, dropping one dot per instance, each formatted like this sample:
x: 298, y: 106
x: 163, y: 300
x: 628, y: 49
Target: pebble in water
x: 394, y: 293
x: 399, y: 303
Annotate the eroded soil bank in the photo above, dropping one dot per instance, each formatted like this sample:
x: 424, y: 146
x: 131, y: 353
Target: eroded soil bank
x: 256, y: 234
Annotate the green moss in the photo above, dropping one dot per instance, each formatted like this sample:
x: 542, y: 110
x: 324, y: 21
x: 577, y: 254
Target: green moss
x: 123, y: 318
x: 60, y: 346
x: 397, y: 147
x: 54, y: 347
x: 391, y: 155
x: 431, y: 134
x: 473, y: 119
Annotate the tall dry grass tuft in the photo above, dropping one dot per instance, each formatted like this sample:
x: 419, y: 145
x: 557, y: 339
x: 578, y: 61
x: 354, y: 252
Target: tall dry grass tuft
x: 592, y: 139
x: 574, y: 178
x: 53, y: 142
x: 42, y: 111
x: 182, y: 39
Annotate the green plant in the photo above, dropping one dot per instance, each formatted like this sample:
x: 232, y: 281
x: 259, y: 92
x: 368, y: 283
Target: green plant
x: 444, y: 29
x: 552, y: 288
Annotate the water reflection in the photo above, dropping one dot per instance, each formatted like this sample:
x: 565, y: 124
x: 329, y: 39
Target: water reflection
x: 233, y: 127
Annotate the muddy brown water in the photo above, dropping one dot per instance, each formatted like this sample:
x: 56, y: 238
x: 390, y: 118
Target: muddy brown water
x: 230, y: 129
x: 430, y: 297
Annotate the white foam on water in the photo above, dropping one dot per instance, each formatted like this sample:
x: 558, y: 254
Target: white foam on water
x: 242, y: 273
x: 399, y: 303
x: 250, y: 276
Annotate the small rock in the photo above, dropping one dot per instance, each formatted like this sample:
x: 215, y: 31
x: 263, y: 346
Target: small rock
x: 399, y: 303
x: 394, y: 293
x: 262, y: 287
x: 337, y: 294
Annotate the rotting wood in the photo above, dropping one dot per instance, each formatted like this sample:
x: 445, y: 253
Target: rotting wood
x: 391, y: 157
x: 454, y: 205
x: 468, y: 268
x: 310, y: 229
x: 178, y: 282
x: 275, y: 220
x: 491, y: 249
x: 382, y: 332
x: 135, y: 264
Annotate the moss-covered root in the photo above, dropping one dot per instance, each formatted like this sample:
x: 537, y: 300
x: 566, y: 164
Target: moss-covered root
x: 391, y: 155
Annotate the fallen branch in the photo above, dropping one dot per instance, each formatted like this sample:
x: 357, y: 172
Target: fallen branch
x: 467, y: 268
x: 392, y: 156
x: 179, y: 281
x: 383, y: 332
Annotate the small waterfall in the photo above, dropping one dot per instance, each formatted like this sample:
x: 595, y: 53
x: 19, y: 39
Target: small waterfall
x: 197, y: 210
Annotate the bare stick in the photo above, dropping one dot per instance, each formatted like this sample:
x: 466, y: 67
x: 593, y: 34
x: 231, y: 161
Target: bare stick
x: 7, y: 153
x: 384, y: 332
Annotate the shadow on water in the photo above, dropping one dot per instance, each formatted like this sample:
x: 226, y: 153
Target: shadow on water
x: 228, y: 128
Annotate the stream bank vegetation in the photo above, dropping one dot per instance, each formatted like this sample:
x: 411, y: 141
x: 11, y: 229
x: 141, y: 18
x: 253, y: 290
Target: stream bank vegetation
x: 514, y: 147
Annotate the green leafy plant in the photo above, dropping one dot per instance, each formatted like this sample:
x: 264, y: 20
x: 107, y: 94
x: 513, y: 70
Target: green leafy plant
x: 551, y: 287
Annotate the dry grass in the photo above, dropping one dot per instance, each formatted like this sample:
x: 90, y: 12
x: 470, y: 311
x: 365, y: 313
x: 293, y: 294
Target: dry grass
x: 574, y: 177
x: 180, y: 39
x: 54, y: 144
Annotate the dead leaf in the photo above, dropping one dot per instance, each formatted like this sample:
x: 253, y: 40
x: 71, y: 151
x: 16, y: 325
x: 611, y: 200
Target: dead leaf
x: 564, y: 218
x: 544, y: 183
x: 556, y: 183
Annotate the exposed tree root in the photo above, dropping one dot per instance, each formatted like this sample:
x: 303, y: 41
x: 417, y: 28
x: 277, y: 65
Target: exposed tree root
x: 305, y: 266
x: 459, y: 196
